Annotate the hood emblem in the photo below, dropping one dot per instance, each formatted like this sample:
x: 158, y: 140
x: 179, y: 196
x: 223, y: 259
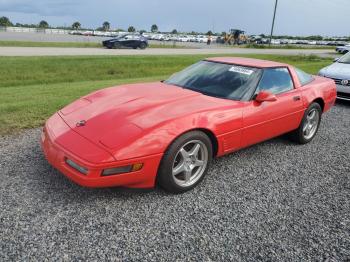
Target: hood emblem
x: 345, y: 82
x: 81, y: 123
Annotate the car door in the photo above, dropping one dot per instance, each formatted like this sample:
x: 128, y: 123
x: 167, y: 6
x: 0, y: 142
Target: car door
x: 127, y: 40
x: 264, y: 120
x: 135, y: 41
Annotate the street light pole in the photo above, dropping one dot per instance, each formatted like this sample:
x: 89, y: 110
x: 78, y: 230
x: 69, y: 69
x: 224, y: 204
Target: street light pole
x: 273, y: 21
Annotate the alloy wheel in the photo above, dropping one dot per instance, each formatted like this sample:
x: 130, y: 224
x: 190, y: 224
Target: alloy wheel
x: 190, y: 163
x: 311, y: 123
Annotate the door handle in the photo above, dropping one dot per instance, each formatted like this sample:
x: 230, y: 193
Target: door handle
x: 296, y: 98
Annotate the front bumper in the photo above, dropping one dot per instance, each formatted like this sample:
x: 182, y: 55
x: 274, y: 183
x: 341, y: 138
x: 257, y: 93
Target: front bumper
x: 57, y: 154
x: 343, y: 92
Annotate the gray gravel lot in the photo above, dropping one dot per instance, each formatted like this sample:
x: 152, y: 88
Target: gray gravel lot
x: 273, y: 201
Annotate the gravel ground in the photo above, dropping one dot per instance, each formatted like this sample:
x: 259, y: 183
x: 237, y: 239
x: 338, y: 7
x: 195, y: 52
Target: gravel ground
x: 273, y: 201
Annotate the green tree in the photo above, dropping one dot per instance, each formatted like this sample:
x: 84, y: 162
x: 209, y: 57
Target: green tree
x: 43, y: 24
x: 106, y: 26
x: 154, y: 28
x: 174, y: 31
x: 209, y: 32
x: 76, y: 25
x: 131, y: 29
x: 5, y: 21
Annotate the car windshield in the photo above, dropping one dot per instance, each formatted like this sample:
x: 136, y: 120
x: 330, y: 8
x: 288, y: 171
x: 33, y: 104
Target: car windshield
x: 345, y: 59
x: 217, y: 79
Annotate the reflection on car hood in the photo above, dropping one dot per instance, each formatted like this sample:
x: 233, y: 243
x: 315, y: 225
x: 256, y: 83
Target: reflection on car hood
x: 337, y: 70
x: 129, y: 110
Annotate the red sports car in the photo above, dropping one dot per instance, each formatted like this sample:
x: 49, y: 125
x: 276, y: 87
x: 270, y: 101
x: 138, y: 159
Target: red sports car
x: 167, y: 132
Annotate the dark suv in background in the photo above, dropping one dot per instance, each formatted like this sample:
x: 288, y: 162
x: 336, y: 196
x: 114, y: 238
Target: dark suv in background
x: 127, y: 41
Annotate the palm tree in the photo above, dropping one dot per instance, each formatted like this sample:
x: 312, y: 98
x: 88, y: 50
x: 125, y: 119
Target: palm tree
x: 106, y: 26
x: 43, y: 24
x: 76, y: 25
x: 5, y: 21
x: 131, y: 29
x: 154, y: 28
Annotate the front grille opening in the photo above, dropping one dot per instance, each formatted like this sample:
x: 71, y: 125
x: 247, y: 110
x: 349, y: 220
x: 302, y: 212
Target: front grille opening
x: 343, y: 95
x: 338, y: 81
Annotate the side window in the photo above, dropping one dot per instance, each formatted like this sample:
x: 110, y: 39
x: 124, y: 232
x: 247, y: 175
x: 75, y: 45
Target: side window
x: 275, y: 80
x: 304, y: 78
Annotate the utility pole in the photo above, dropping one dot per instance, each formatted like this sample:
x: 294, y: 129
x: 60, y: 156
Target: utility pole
x: 273, y: 22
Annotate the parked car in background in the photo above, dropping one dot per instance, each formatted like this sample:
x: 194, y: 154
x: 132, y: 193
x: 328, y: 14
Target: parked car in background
x: 88, y: 33
x: 128, y: 40
x: 184, y: 38
x: 343, y: 49
x: 168, y: 132
x: 339, y: 71
x: 201, y: 39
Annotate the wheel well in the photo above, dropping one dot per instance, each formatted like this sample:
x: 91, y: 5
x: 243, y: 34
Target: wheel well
x: 320, y: 102
x: 212, y: 138
x: 208, y: 132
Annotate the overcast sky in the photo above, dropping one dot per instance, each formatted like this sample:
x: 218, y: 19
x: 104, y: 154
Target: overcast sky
x: 294, y: 17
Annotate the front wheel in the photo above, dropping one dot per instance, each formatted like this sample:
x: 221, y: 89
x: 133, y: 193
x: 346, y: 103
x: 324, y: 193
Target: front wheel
x: 309, y: 124
x: 185, y: 163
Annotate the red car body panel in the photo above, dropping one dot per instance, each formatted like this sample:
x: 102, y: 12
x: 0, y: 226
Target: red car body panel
x: 136, y: 123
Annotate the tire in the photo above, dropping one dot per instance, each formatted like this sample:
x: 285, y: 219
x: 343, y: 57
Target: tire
x: 185, y: 163
x: 143, y: 45
x: 309, y: 125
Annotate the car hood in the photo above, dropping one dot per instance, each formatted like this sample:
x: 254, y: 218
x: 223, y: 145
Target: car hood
x: 337, y: 70
x: 116, y: 116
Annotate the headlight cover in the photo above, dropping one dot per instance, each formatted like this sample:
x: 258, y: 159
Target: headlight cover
x: 77, y: 167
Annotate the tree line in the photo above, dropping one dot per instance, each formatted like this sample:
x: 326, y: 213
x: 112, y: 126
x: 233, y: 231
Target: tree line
x: 106, y: 26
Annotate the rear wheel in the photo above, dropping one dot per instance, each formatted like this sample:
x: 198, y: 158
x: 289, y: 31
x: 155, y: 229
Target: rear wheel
x: 186, y: 162
x: 143, y: 45
x: 309, y: 124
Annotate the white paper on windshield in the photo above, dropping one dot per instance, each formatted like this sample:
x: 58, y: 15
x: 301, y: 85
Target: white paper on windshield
x: 241, y: 70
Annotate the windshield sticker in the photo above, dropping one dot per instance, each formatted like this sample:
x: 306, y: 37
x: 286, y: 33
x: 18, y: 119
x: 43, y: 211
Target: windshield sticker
x: 241, y: 70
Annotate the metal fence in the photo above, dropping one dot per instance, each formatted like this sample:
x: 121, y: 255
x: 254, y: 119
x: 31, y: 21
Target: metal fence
x: 33, y: 30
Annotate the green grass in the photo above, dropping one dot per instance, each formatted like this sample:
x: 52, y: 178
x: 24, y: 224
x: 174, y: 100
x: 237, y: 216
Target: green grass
x: 74, y: 44
x: 32, y: 88
x: 49, y: 44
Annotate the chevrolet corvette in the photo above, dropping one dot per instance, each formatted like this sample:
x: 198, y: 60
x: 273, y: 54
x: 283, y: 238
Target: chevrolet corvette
x: 168, y: 132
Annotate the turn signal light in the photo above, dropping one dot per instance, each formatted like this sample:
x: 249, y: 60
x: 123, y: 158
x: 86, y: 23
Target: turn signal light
x: 122, y: 169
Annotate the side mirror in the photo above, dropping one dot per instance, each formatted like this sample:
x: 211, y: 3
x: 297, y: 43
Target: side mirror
x: 265, y: 96
x: 336, y: 59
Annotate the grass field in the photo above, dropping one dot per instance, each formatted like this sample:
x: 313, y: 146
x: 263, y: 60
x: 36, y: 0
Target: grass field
x: 32, y: 88
x: 74, y: 44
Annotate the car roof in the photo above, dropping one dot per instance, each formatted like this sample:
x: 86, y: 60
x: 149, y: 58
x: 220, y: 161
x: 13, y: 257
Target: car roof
x: 246, y: 62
